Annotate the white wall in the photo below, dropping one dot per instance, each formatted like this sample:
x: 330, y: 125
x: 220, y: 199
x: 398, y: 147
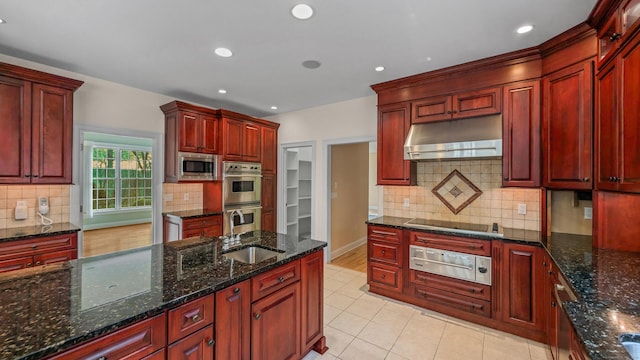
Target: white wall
x: 352, y: 119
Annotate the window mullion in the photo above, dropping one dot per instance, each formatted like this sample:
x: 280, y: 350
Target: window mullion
x: 118, y: 179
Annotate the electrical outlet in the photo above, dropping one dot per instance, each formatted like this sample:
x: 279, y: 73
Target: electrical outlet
x: 186, y: 196
x: 588, y: 213
x: 168, y: 197
x: 522, y: 209
x: 406, y: 202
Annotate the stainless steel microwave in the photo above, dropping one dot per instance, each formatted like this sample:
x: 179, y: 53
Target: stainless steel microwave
x: 199, y: 167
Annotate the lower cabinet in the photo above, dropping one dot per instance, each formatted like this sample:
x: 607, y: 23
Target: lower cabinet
x: 20, y: 254
x: 312, y: 299
x: 275, y: 325
x: 198, y: 345
x: 176, y: 228
x: 233, y: 321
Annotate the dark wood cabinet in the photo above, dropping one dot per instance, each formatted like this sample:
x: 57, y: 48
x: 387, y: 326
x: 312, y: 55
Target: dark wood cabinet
x: 269, y: 151
x: 188, y: 128
x: 197, y: 346
x: 133, y: 342
x: 385, y: 251
x: 567, y: 127
x: 233, y: 319
x: 37, y: 121
x: 241, y: 138
x: 393, y: 126
x: 20, y: 254
x: 175, y: 228
x: 521, y: 135
x: 458, y: 106
x: 190, y: 317
x: 269, y: 203
x: 312, y: 302
x: 616, y: 128
x: 275, y: 325
x: 522, y: 287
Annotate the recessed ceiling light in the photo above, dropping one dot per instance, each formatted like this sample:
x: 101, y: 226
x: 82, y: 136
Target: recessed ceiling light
x: 429, y: 59
x: 379, y: 68
x: 311, y: 64
x: 524, y: 29
x: 302, y: 11
x: 274, y: 108
x: 222, y: 91
x: 224, y: 52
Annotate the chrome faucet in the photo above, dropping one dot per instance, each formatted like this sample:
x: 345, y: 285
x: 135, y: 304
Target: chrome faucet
x: 231, y: 224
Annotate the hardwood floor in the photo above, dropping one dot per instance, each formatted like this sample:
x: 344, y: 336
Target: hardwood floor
x: 355, y: 259
x: 104, y: 241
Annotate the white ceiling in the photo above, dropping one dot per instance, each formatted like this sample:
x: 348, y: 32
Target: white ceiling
x: 166, y: 46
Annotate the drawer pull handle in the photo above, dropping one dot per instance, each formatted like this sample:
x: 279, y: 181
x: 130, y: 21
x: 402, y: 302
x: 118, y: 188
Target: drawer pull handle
x: 236, y: 290
x: 257, y: 316
x: 383, y: 233
x: 210, y: 342
x: 195, y: 318
x: 281, y: 279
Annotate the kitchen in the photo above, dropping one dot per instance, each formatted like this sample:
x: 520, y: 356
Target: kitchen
x: 109, y: 106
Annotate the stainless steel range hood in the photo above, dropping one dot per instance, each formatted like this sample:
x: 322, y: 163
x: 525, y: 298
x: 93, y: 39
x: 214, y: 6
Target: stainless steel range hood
x: 479, y: 137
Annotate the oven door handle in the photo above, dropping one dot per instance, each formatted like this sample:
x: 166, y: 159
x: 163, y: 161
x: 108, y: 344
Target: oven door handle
x: 444, y: 263
x: 241, y: 176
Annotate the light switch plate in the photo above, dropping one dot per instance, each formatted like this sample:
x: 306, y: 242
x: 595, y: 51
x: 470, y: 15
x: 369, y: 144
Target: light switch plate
x: 588, y: 213
x: 522, y: 209
x: 186, y: 196
x: 406, y: 202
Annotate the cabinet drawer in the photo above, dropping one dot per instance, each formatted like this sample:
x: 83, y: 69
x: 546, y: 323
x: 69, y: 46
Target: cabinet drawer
x: 385, y: 252
x: 469, y: 246
x: 195, y: 346
x: 457, y: 286
x: 16, y: 264
x: 133, y: 342
x: 191, y: 233
x: 190, y: 317
x: 276, y: 279
x: 201, y: 222
x: 384, y: 233
x: 384, y: 276
x: 39, y: 245
x: 451, y: 300
x: 54, y: 257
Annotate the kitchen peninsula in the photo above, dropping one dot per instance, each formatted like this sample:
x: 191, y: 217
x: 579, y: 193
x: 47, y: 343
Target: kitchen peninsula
x: 165, y: 300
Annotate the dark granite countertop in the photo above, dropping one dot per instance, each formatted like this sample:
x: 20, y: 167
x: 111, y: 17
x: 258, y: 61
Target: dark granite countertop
x: 19, y: 233
x: 516, y: 235
x: 607, y: 283
x: 190, y: 214
x: 50, y: 308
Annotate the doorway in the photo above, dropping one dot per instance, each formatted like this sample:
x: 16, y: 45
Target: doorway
x: 298, y: 194
x: 118, y: 179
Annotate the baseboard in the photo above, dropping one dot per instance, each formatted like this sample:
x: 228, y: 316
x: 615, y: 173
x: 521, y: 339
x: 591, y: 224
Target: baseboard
x: 115, y: 224
x: 345, y: 249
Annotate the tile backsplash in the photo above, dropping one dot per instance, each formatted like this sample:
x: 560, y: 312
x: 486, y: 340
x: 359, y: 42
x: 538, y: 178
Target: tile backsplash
x: 495, y: 204
x: 58, y: 203
x: 180, y: 197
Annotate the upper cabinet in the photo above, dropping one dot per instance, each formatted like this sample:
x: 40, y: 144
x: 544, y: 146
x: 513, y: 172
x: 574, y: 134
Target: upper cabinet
x: 393, y: 127
x: 36, y: 120
x: 616, y: 21
x: 241, y: 137
x: 567, y: 127
x: 464, y: 105
x: 521, y: 135
x: 190, y: 128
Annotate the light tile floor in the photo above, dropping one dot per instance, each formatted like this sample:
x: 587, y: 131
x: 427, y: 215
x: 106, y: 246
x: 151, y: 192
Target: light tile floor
x: 359, y: 325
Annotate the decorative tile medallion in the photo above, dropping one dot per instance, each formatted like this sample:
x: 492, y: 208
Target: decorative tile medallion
x: 456, y: 191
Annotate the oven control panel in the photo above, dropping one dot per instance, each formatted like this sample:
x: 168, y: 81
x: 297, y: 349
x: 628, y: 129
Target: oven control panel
x: 453, y: 264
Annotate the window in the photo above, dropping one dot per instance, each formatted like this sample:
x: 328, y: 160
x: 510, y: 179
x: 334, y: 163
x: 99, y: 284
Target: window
x: 120, y: 178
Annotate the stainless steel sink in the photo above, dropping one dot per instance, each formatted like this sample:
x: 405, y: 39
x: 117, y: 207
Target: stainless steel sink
x: 251, y: 254
x: 631, y: 343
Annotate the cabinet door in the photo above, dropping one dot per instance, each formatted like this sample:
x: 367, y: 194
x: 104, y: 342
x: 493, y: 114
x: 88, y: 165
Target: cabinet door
x: 15, y: 127
x: 275, y: 326
x: 269, y: 202
x: 522, y: 286
x: 51, y: 135
x: 566, y: 128
x: 311, y: 282
x: 629, y: 107
x: 197, y: 346
x: 251, y: 136
x: 232, y: 142
x: 16, y: 264
x: 269, y: 144
x: 393, y: 127
x: 209, y: 134
x: 431, y: 109
x: 233, y: 322
x: 606, y: 128
x: 477, y: 103
x: 521, y: 135
x: 54, y: 257
x: 189, y: 131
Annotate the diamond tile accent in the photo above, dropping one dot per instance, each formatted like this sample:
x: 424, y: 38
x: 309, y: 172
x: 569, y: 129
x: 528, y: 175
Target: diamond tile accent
x: 456, y: 191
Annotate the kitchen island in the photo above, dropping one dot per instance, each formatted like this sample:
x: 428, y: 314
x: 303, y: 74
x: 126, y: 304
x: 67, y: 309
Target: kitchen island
x: 50, y: 309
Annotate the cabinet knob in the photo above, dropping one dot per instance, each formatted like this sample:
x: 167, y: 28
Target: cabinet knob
x: 27, y: 175
x: 281, y: 279
x: 383, y: 252
x: 236, y: 290
x: 38, y: 263
x: 102, y: 358
x: 585, y: 179
x: 615, y: 36
x: 449, y: 112
x: 195, y: 318
x: 382, y: 276
x: 553, y: 303
x: 506, y: 178
x: 29, y: 264
x: 36, y: 175
x: 210, y: 342
x: 33, y: 247
x: 257, y: 316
